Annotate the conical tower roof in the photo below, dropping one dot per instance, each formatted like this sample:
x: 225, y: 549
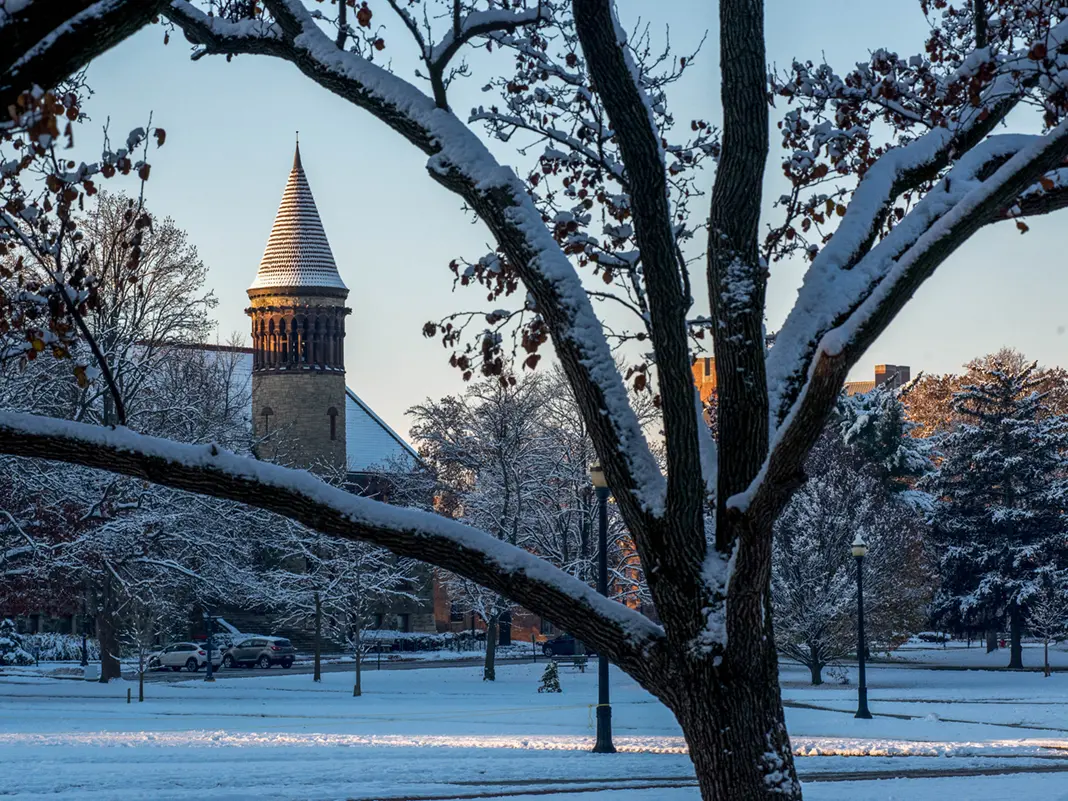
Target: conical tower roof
x: 298, y: 253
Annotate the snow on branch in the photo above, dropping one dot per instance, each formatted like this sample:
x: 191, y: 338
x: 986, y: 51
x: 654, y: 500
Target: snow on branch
x: 946, y: 217
x: 1000, y: 83
x: 477, y: 23
x: 41, y: 45
x: 628, y: 637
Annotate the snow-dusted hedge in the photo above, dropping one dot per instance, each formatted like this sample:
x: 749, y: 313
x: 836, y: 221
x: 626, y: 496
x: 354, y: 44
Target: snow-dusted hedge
x: 53, y: 647
x: 421, y: 641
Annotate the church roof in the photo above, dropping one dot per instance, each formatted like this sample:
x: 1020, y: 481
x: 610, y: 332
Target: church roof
x: 298, y: 253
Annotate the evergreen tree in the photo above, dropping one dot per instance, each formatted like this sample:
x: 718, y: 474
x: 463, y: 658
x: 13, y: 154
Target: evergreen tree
x: 1000, y: 491
x: 11, y: 650
x: 875, y: 427
x: 550, y: 679
x: 814, y: 583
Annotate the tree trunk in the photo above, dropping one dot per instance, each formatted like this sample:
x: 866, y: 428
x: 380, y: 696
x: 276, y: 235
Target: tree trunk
x: 1015, y: 637
x: 736, y: 733
x: 991, y: 640
x: 489, y: 672
x: 107, y: 632
x: 1045, y: 658
x: 141, y: 681
x: 815, y: 669
x: 318, y: 676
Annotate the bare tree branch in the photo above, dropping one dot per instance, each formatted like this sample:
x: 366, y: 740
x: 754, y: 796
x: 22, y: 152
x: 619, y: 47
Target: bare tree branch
x: 841, y: 347
x: 44, y: 42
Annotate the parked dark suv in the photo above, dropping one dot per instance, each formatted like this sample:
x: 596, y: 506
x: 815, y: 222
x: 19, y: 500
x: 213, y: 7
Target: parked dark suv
x: 565, y: 645
x: 260, y: 652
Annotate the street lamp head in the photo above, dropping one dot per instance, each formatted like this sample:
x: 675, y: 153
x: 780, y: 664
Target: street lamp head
x: 597, y: 476
x: 859, y: 547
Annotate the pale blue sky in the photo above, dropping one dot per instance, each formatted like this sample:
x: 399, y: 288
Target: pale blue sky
x: 393, y: 231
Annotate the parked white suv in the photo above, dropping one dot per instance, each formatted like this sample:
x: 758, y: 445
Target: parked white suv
x: 189, y: 655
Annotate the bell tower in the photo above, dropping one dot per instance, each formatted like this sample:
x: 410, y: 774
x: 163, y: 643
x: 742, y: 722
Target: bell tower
x: 297, y: 306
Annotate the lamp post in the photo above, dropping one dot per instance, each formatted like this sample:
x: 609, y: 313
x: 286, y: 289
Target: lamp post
x: 604, y: 708
x: 85, y: 632
x: 208, y: 620
x: 860, y: 549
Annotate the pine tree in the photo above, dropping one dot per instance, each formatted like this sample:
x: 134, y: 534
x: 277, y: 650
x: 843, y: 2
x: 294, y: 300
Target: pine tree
x: 1000, y: 491
x: 550, y: 679
x: 875, y: 427
x: 11, y: 650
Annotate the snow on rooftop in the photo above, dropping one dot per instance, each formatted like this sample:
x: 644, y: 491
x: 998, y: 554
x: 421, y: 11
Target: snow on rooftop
x: 298, y: 253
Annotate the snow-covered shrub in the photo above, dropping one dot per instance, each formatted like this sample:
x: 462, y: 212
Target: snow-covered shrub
x: 11, y: 650
x: 838, y: 674
x: 550, y: 679
x: 52, y: 647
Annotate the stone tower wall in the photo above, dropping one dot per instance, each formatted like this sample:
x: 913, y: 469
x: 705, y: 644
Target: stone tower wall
x: 297, y: 432
x: 292, y: 403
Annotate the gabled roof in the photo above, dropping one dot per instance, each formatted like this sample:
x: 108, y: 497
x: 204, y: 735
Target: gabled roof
x: 370, y: 444
x: 298, y: 253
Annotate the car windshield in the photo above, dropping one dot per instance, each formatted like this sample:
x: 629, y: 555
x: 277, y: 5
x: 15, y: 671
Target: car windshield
x: 282, y: 643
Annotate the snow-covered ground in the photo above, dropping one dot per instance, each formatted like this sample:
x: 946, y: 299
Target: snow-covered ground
x: 959, y: 654
x: 443, y: 733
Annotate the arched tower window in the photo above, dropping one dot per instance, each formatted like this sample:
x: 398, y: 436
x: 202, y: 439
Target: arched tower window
x: 267, y: 412
x: 332, y: 412
x: 317, y: 342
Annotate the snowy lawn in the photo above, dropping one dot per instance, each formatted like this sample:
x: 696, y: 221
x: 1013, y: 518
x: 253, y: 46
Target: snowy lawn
x: 958, y: 654
x: 443, y: 733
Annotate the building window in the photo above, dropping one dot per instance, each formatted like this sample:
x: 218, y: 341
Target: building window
x: 332, y: 411
x: 267, y: 412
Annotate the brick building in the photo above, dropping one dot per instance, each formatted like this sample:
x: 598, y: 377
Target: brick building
x: 893, y: 375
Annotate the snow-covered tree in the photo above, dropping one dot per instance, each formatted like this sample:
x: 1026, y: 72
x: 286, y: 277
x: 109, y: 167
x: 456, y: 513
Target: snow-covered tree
x: 57, y: 521
x: 149, y: 613
x: 813, y: 586
x: 489, y: 449
x: 998, y: 521
x: 335, y: 586
x: 1047, y: 616
x: 891, y: 167
x: 550, y: 679
x: 875, y: 427
x: 11, y: 650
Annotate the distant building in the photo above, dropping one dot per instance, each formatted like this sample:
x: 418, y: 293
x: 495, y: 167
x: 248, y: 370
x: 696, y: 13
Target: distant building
x: 704, y: 376
x: 894, y: 376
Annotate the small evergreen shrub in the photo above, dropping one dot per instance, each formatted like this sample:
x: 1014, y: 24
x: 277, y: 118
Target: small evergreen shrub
x: 550, y: 679
x: 11, y: 650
